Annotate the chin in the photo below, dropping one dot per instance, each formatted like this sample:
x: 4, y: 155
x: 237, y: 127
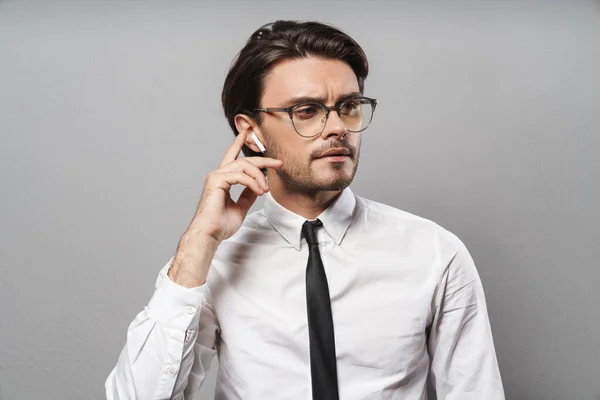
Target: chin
x: 312, y: 184
x: 331, y: 179
x: 337, y: 183
x: 336, y: 179
x: 340, y: 185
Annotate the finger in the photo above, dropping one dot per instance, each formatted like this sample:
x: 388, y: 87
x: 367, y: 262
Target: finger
x: 234, y: 150
x: 265, y: 162
x: 250, y: 169
x: 246, y: 200
x: 233, y: 178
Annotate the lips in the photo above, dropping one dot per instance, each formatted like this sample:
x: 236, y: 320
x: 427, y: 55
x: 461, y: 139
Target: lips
x: 335, y: 152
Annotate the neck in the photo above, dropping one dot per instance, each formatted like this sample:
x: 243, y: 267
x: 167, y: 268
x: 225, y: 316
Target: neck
x: 305, y: 202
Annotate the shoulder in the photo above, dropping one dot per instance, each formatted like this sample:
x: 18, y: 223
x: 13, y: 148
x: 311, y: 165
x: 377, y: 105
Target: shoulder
x: 417, y: 229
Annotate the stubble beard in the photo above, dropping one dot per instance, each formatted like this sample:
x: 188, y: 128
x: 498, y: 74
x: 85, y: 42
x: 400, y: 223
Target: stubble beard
x: 301, y: 176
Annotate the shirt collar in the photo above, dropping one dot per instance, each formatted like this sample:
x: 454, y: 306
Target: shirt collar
x: 336, y: 218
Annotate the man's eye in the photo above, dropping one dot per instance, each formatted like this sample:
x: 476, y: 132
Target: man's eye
x: 305, y: 111
x: 350, y: 107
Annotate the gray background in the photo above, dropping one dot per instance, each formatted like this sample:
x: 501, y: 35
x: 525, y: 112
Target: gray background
x: 488, y: 123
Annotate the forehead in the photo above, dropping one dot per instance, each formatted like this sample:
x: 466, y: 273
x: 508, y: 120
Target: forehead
x: 320, y: 78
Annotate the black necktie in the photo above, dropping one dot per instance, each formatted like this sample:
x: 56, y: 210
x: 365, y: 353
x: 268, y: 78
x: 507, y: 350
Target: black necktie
x: 320, y: 323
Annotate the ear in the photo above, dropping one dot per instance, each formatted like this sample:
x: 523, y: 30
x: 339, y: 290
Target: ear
x: 245, y: 124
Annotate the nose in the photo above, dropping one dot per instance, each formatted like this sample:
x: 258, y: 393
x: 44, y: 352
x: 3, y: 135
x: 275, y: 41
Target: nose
x: 334, y: 126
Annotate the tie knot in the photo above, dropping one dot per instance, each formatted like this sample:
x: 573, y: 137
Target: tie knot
x: 309, y: 229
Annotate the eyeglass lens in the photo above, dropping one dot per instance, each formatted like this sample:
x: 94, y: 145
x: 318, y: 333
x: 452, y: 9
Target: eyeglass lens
x: 309, y: 119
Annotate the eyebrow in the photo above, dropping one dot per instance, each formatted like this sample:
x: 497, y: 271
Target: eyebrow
x: 308, y: 99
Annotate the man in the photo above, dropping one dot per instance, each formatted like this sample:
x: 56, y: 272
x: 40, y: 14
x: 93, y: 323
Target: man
x: 322, y: 294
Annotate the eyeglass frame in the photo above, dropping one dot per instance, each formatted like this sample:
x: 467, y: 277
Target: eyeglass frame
x: 337, y: 107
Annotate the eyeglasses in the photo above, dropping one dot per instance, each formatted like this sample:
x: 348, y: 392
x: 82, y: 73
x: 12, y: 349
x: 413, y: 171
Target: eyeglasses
x: 309, y: 118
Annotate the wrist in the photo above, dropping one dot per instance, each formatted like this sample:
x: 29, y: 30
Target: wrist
x: 186, y: 278
x: 192, y: 260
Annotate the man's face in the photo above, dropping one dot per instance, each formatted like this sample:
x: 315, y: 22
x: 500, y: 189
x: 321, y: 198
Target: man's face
x: 304, y: 167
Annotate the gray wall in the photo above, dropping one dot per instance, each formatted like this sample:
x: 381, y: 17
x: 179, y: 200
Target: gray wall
x: 488, y: 123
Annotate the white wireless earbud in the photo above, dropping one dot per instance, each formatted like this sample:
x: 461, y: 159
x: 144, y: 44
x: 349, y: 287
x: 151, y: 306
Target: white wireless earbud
x: 258, y: 143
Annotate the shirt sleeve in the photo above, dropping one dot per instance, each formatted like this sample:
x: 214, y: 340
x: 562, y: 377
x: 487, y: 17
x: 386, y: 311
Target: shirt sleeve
x: 170, y: 345
x: 463, y: 359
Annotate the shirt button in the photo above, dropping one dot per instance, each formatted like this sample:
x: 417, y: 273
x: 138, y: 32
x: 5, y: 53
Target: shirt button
x: 190, y: 310
x: 172, y: 370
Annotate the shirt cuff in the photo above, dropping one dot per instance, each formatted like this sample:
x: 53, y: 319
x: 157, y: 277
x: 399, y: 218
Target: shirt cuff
x: 174, y: 305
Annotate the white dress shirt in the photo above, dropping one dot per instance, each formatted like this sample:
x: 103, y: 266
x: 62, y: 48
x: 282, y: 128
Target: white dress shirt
x: 406, y: 299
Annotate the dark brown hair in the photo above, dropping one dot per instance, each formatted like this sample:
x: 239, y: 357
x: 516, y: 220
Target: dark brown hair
x: 277, y: 41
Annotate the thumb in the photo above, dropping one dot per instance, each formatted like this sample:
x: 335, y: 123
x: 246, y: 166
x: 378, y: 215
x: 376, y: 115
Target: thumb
x: 246, y: 200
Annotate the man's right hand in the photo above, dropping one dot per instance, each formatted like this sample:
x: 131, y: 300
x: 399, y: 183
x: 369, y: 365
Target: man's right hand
x: 218, y: 216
